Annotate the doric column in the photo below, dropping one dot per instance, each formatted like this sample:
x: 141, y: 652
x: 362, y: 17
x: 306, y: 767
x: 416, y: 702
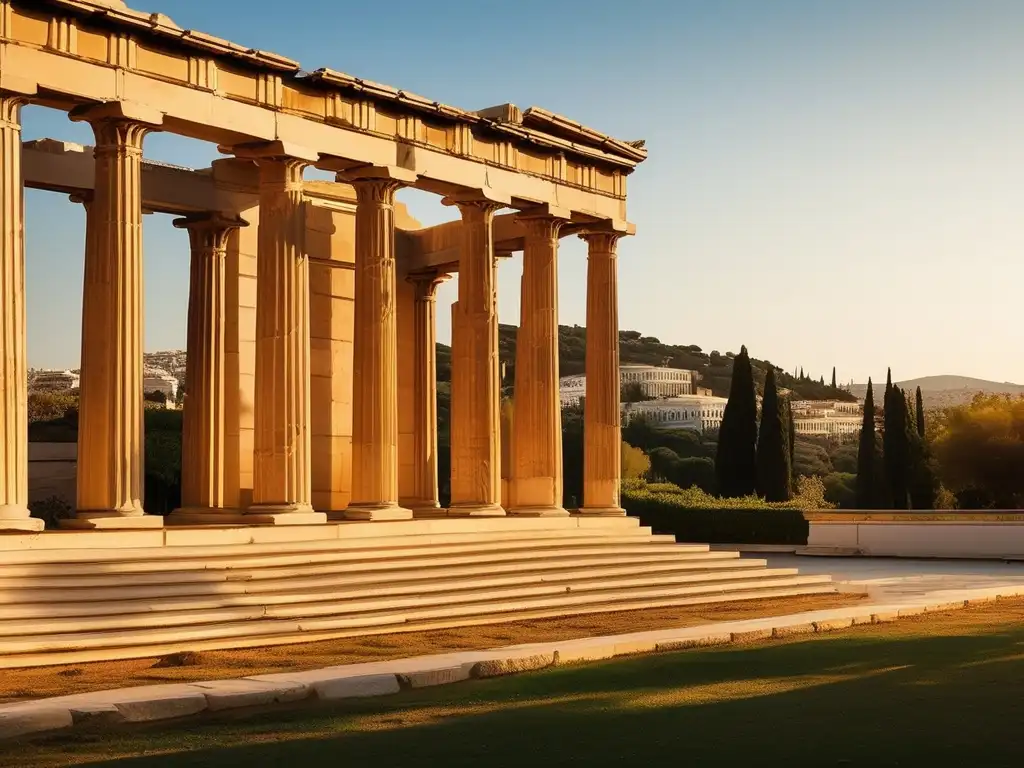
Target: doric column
x: 374, y: 354
x: 601, y: 418
x: 536, y: 486
x: 424, y: 501
x: 14, y: 513
x: 282, y: 481
x: 475, y: 420
x: 110, y: 422
x: 203, y: 455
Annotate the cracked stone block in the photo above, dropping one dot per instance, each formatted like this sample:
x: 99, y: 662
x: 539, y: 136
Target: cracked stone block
x: 509, y: 665
x: 704, y: 641
x: 331, y: 687
x: 33, y: 720
x: 793, y: 629
x: 428, y: 677
x: 231, y: 694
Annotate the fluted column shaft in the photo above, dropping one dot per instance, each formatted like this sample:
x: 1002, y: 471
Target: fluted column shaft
x: 536, y: 486
x: 601, y: 418
x: 203, y: 456
x: 475, y: 422
x: 14, y: 512
x: 424, y: 364
x: 282, y: 480
x: 375, y: 362
x: 110, y: 427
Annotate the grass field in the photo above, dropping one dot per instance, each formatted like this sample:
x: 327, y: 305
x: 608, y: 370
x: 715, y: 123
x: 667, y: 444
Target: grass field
x: 937, y: 690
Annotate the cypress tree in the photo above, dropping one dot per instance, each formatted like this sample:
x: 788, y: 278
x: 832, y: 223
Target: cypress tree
x: 791, y: 436
x: 833, y: 377
x: 867, y: 470
x: 919, y: 402
x: 773, y: 467
x: 735, y: 462
x: 896, y: 448
x: 802, y: 377
x: 822, y: 381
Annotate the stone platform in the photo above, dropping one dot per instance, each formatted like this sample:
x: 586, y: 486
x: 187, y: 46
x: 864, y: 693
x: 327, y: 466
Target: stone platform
x: 75, y: 596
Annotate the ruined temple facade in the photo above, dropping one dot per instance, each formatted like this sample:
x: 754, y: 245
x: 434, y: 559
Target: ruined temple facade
x: 311, y: 311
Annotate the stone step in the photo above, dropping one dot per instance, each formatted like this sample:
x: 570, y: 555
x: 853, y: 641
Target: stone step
x: 244, y: 567
x: 91, y: 646
x: 99, y: 546
x: 49, y: 595
x: 240, y: 558
x: 346, y: 598
x: 250, y: 622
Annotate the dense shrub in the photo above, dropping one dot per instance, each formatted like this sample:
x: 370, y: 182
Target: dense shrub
x: 695, y: 515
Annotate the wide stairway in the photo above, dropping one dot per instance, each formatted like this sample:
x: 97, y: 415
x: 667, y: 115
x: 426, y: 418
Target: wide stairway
x: 69, y: 597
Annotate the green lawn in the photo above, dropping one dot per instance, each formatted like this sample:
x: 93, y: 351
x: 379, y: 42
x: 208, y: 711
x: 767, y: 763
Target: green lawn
x: 939, y: 690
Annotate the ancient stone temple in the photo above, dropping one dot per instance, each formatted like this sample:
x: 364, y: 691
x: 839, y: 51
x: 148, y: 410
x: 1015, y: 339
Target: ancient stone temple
x: 309, y: 482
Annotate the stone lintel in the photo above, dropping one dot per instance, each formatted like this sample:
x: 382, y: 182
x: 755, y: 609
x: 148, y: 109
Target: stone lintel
x: 269, y: 150
x: 118, y: 110
x: 17, y: 85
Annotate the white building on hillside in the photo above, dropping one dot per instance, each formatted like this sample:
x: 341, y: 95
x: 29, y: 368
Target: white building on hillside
x: 654, y: 381
x: 53, y: 381
x: 835, y: 420
x: 158, y: 380
x: 697, y: 412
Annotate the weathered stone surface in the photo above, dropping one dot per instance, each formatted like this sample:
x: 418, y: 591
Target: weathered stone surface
x: 831, y: 625
x: 702, y: 641
x: 914, y: 610
x: 509, y: 665
x: 33, y: 720
x: 96, y: 714
x: 751, y: 635
x: 230, y: 694
x: 789, y: 630
x: 631, y: 647
x: 953, y: 606
x: 335, y: 687
x: 161, y: 706
x: 575, y: 653
x: 429, y: 677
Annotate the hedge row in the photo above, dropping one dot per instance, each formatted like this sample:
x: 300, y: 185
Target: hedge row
x: 664, y: 514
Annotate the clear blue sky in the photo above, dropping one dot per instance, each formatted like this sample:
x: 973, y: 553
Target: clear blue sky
x: 829, y: 183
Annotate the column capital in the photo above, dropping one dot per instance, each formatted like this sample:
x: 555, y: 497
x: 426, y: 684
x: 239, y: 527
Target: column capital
x: 281, y: 151
x: 426, y: 283
x: 14, y: 94
x: 84, y: 197
x: 210, y: 220
x: 543, y: 222
x: 486, y: 200
x: 119, y: 124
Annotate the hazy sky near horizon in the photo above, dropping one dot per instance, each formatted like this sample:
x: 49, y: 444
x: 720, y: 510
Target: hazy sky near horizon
x: 830, y: 183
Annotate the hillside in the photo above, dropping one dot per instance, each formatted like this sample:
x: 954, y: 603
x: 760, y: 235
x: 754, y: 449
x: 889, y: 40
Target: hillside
x: 944, y: 391
x: 715, y: 368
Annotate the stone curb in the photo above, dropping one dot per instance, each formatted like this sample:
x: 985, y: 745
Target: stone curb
x: 173, y: 701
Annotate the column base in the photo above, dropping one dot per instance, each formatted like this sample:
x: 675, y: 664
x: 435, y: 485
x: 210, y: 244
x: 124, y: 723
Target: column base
x: 205, y: 516
x: 373, y: 512
x: 101, y: 521
x: 14, y: 517
x: 601, y: 511
x: 552, y: 511
x: 282, y: 514
x: 475, y: 510
x: 423, y: 508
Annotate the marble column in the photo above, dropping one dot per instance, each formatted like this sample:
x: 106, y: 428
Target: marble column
x: 203, y: 455
x: 110, y: 422
x: 601, y: 417
x: 14, y: 513
x: 282, y: 479
x: 536, y: 486
x: 475, y: 420
x: 374, y: 354
x: 424, y: 501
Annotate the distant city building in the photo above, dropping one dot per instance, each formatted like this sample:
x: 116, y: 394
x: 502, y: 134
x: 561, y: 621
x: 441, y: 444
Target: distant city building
x: 835, y: 420
x: 156, y: 380
x: 53, y: 381
x: 697, y: 412
x: 654, y: 381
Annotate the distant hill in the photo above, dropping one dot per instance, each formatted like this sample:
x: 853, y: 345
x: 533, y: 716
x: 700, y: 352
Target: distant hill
x: 945, y: 391
x: 715, y: 368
